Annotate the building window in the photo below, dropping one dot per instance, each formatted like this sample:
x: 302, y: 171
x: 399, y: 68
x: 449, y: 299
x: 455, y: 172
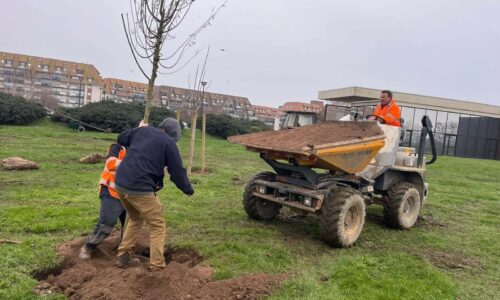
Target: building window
x: 45, y: 67
x: 79, y: 71
x: 89, y: 80
x: 8, y: 62
x: 22, y: 65
x: 58, y: 69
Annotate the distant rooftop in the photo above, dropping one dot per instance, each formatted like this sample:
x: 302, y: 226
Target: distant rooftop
x: 313, y: 106
x: 358, y: 96
x: 45, y: 64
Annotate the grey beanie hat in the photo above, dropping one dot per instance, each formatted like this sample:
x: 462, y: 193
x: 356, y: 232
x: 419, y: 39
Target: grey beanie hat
x: 172, y: 127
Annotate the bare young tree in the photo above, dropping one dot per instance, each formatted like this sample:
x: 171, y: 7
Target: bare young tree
x: 195, y: 102
x: 150, y: 25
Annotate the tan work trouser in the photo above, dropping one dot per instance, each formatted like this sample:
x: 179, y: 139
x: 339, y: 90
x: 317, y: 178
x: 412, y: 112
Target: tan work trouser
x: 139, y: 209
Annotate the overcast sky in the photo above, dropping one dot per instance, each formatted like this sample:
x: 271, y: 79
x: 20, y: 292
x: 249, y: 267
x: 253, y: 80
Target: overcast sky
x: 284, y: 50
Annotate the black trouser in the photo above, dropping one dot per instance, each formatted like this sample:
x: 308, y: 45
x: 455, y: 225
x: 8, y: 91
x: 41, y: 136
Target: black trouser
x: 111, y: 210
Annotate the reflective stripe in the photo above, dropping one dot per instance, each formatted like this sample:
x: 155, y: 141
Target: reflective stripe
x: 103, y: 181
x: 112, y: 185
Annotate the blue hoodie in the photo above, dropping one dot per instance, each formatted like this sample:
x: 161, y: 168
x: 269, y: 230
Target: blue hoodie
x: 149, y: 151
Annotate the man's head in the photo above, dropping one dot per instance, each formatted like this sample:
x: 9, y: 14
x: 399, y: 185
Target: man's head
x: 171, y: 127
x: 385, y: 97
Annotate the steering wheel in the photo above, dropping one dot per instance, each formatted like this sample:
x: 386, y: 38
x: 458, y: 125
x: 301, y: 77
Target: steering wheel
x: 378, y: 118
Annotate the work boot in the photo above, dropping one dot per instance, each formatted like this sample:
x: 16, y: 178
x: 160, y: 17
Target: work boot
x: 156, y: 269
x: 124, y: 261
x: 85, y: 253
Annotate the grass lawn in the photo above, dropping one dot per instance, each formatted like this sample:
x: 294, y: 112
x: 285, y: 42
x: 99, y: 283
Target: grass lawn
x: 453, y: 251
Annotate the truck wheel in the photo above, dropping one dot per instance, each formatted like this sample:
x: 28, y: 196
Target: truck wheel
x: 255, y: 207
x: 401, y: 205
x: 342, y: 217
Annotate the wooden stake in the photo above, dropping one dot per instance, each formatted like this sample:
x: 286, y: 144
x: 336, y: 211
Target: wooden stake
x: 178, y: 115
x: 191, y: 145
x: 203, y: 133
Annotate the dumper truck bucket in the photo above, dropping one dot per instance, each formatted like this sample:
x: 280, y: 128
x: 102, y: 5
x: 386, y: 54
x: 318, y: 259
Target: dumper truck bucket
x: 347, y: 146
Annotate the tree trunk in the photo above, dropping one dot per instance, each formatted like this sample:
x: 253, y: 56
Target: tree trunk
x: 203, y: 126
x: 149, y: 99
x: 154, y: 70
x: 191, y: 145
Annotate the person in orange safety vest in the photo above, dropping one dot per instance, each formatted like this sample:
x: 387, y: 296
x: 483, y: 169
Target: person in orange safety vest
x: 387, y: 111
x: 111, y: 207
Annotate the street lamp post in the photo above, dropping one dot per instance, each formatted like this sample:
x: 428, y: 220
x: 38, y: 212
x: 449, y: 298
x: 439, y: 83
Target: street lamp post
x: 203, y: 84
x: 203, y: 127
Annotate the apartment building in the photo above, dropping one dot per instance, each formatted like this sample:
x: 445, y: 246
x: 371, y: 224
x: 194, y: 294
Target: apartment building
x: 73, y: 84
x: 120, y: 90
x: 314, y: 106
x: 266, y: 114
x: 175, y: 98
x: 67, y: 83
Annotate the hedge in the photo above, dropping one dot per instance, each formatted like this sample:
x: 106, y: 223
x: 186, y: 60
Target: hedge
x: 17, y: 110
x: 224, y: 126
x: 112, y: 115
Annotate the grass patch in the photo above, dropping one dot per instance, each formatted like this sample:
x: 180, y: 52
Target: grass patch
x: 59, y: 201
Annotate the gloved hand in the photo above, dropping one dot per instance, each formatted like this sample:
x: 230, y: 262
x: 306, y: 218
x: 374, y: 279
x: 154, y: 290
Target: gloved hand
x: 190, y: 191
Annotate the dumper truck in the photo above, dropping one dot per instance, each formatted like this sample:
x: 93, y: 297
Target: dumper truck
x: 333, y: 170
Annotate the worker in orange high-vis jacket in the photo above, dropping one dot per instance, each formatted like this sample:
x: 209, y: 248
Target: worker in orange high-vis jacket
x: 111, y: 207
x: 387, y: 111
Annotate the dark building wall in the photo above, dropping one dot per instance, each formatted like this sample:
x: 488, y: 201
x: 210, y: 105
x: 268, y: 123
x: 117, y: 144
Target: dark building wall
x: 478, y: 137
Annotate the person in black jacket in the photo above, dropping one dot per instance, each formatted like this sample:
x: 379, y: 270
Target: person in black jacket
x: 140, y: 176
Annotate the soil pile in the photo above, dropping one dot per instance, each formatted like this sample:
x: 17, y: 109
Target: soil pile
x: 298, y: 140
x: 18, y: 163
x: 93, y: 158
x: 185, y: 277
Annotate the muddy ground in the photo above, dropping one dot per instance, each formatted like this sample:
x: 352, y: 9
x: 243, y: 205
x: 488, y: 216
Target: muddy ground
x: 185, y: 277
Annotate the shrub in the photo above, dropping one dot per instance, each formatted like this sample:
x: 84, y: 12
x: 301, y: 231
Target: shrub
x: 115, y: 116
x: 224, y: 126
x: 17, y: 110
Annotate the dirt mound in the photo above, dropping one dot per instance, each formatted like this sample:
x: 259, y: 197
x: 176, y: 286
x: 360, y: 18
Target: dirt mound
x: 185, y: 277
x: 18, y: 163
x: 298, y: 140
x: 93, y: 158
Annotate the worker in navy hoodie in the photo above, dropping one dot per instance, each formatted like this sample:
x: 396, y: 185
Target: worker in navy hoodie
x: 139, y: 177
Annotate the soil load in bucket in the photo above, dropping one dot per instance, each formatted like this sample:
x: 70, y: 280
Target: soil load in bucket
x: 341, y: 145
